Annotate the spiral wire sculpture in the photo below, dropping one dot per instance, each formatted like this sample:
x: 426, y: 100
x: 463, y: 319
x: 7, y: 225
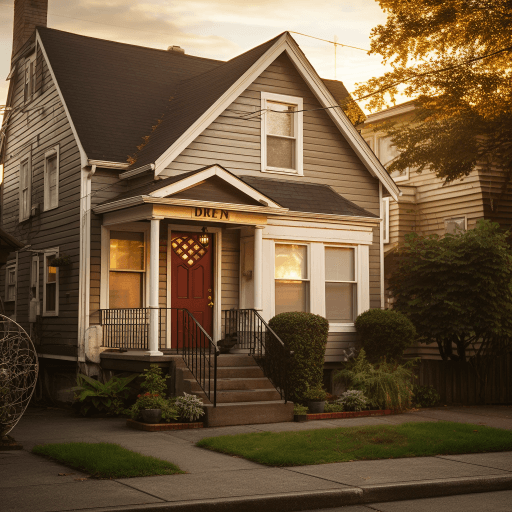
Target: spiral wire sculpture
x: 18, y: 373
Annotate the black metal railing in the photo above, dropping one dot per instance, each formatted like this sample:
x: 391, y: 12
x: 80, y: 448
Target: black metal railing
x: 254, y: 334
x: 128, y: 329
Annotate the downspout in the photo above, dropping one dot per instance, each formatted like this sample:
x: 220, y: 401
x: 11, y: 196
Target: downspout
x: 381, y: 247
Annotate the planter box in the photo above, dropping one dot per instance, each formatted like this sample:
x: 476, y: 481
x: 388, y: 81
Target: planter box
x: 351, y: 414
x: 159, y: 427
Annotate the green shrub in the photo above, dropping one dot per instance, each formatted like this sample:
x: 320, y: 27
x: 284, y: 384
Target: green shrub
x: 384, y: 333
x: 189, y: 407
x: 353, y: 400
x: 386, y: 385
x: 94, y: 396
x: 154, y: 381
x: 300, y: 410
x: 316, y: 394
x: 333, y: 407
x: 306, y: 335
x: 426, y: 396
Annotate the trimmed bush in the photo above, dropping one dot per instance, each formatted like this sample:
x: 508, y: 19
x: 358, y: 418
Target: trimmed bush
x: 306, y: 335
x: 384, y: 333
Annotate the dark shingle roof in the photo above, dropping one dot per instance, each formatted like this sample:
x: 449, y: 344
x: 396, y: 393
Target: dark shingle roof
x: 297, y: 197
x: 306, y: 197
x: 115, y: 92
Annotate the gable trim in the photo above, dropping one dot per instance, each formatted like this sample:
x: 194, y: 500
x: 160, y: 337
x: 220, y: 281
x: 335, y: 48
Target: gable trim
x: 83, y: 155
x: 284, y: 44
x: 214, y: 170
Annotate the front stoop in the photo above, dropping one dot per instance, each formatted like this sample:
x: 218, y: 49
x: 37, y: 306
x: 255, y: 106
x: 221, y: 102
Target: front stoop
x: 244, y: 395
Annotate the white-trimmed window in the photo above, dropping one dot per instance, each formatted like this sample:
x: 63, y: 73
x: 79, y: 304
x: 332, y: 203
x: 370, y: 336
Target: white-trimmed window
x: 387, y: 152
x: 281, y: 134
x: 50, y: 285
x: 340, y: 285
x: 455, y: 225
x: 385, y: 220
x: 34, y: 289
x: 29, y: 79
x: 10, y: 282
x: 25, y: 187
x: 51, y: 178
x: 292, y: 281
x: 127, y: 269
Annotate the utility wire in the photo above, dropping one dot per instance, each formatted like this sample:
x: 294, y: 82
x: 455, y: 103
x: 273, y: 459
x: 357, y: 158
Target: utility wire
x: 327, y: 41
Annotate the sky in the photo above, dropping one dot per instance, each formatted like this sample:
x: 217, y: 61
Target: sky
x: 220, y: 29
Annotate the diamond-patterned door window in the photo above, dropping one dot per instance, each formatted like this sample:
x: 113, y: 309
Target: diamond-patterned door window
x: 188, y: 249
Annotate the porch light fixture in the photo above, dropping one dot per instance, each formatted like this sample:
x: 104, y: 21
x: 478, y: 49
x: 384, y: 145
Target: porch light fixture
x: 204, y: 239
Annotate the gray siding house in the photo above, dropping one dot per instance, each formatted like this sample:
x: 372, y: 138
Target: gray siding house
x: 143, y: 182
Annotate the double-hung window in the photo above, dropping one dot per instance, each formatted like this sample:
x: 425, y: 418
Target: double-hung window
x: 291, y: 278
x: 340, y: 284
x: 29, y: 79
x: 10, y: 282
x: 281, y: 134
x: 127, y: 269
x: 51, y: 179
x: 50, y: 285
x: 25, y: 187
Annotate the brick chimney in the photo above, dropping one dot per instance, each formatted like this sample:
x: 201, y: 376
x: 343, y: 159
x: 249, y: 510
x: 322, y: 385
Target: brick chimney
x: 28, y: 14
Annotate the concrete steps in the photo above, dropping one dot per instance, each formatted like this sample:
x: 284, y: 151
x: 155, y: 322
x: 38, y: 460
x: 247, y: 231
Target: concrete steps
x: 244, y: 394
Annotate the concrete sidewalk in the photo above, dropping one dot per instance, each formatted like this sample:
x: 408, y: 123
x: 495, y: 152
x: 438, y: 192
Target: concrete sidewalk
x: 220, y: 482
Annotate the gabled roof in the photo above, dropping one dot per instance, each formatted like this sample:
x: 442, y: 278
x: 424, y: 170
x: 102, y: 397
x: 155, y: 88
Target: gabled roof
x: 270, y: 193
x: 115, y: 92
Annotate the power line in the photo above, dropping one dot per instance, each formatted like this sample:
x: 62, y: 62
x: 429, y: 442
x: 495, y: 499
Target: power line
x: 335, y: 43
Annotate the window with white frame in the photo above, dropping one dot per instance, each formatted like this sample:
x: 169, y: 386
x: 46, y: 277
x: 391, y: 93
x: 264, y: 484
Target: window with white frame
x: 455, y: 226
x: 25, y: 187
x: 127, y: 269
x: 51, y: 179
x: 50, y: 285
x: 281, y: 134
x: 387, y: 152
x: 10, y: 282
x: 340, y: 284
x: 385, y: 220
x: 29, y: 80
x: 34, y: 278
x: 291, y: 278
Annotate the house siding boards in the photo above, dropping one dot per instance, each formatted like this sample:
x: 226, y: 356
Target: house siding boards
x: 37, y: 131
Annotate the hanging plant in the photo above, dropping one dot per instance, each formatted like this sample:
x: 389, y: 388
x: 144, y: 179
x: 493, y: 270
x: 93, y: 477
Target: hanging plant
x: 61, y: 261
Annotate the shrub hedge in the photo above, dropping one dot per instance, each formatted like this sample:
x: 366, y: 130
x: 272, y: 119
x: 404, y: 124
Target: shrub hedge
x: 384, y: 333
x: 306, y: 335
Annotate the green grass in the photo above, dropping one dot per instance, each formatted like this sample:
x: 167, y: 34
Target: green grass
x: 106, y: 460
x: 362, y: 443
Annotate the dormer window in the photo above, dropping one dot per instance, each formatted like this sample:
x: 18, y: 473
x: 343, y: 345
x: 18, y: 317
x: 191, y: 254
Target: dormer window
x: 281, y: 134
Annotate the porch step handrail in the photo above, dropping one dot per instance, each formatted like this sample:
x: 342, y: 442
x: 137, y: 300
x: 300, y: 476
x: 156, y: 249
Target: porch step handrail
x: 128, y: 328
x: 253, y: 333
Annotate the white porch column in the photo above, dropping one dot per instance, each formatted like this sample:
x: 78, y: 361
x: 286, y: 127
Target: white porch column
x: 258, y: 268
x: 154, y: 251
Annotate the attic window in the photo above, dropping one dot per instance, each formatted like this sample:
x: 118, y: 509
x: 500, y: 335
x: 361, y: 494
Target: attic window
x: 281, y: 134
x: 29, y: 80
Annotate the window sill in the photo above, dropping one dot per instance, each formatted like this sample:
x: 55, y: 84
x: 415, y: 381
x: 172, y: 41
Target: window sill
x: 50, y: 208
x: 342, y: 327
x: 278, y: 170
x: 50, y: 314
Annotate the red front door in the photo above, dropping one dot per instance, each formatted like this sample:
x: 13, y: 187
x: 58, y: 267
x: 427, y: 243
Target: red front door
x: 191, y: 283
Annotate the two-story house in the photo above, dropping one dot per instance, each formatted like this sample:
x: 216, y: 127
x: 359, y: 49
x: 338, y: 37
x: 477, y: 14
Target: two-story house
x: 145, y: 183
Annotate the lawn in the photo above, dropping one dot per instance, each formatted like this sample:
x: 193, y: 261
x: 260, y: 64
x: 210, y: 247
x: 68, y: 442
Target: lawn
x: 362, y: 443
x: 106, y: 460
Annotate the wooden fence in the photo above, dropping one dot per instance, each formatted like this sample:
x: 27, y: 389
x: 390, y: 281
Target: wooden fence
x: 457, y: 383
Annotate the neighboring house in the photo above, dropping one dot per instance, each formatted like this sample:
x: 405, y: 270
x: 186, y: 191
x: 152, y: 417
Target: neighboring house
x: 117, y: 156
x: 427, y: 205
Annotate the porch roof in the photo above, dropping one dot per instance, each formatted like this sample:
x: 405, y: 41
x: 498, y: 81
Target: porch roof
x: 289, y: 195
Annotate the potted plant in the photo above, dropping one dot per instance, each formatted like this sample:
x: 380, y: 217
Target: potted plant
x: 315, y: 398
x: 300, y: 413
x: 189, y: 407
x: 61, y: 261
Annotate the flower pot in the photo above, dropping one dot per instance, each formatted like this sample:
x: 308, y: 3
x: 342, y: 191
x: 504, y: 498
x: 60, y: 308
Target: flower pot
x: 316, y: 407
x: 151, y: 415
x: 300, y: 418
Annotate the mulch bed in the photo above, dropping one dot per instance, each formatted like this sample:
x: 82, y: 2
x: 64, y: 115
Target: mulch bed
x: 159, y: 427
x: 352, y: 414
x: 9, y: 443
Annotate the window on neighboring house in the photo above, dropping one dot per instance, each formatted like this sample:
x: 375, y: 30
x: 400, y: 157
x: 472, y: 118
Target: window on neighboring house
x: 387, y: 152
x: 369, y: 142
x: 291, y: 278
x: 385, y: 220
x: 281, y: 128
x: 51, y: 179
x: 340, y: 284
x: 10, y: 282
x: 25, y: 187
x: 455, y: 225
x: 127, y: 269
x: 50, y: 285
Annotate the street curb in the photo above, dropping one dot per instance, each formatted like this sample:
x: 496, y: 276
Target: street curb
x: 313, y: 500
